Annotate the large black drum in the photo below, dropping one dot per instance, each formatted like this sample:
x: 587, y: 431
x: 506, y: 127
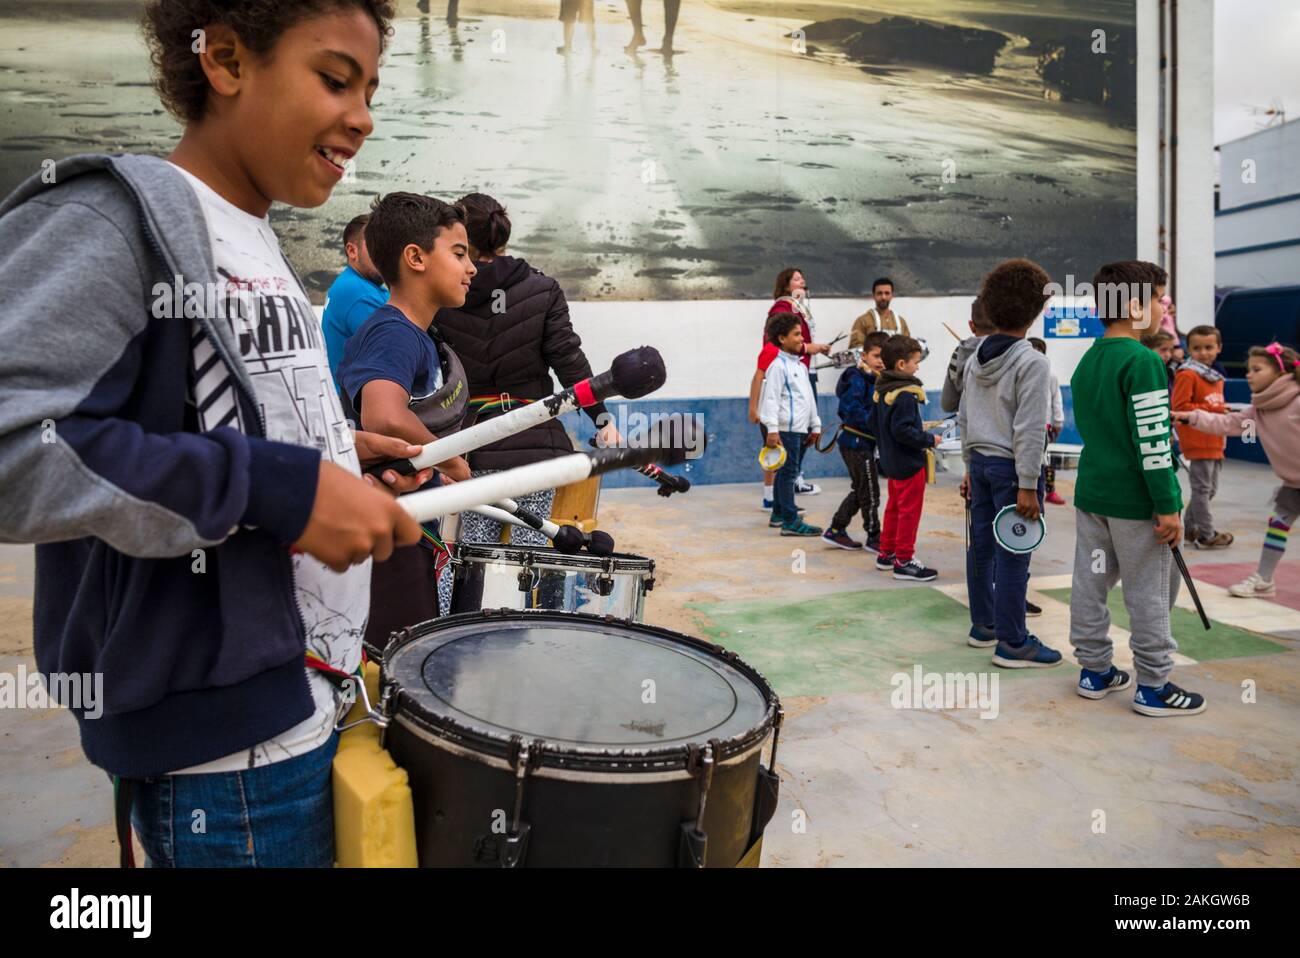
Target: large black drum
x: 562, y: 739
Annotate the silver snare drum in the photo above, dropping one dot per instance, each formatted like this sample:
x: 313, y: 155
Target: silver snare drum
x: 1064, y: 455
x: 524, y: 577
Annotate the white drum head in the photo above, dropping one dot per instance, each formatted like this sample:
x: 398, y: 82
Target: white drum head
x: 1015, y: 533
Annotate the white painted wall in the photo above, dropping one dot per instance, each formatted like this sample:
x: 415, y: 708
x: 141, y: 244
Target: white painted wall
x: 1193, y: 271
x: 710, y: 347
x: 1148, y: 131
x: 1273, y: 156
x: 1260, y: 168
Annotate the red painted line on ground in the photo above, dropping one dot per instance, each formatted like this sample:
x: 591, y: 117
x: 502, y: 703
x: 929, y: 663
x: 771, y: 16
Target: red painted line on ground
x: 1229, y: 573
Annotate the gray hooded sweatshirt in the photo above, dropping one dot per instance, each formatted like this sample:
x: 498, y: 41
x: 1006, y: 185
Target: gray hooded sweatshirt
x: 1005, y: 405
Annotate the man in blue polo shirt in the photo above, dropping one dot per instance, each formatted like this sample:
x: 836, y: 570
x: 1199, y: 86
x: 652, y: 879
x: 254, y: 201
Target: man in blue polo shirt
x: 358, y: 292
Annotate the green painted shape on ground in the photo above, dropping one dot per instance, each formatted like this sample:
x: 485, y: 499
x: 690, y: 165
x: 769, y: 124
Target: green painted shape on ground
x: 1223, y: 641
x: 849, y: 641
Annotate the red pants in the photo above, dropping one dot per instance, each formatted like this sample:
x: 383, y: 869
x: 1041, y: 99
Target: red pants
x: 903, y: 516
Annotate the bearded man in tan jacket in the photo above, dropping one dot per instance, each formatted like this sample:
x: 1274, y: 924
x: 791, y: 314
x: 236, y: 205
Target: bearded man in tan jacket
x: 881, y: 318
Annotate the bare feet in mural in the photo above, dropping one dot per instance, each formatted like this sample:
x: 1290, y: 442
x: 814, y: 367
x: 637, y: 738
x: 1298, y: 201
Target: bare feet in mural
x: 571, y: 11
x: 671, y: 9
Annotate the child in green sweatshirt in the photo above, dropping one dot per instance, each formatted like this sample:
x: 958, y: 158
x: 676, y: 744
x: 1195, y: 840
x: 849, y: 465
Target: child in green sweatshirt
x: 1126, y: 485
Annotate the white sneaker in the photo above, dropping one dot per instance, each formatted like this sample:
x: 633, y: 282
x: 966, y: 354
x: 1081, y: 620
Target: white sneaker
x: 804, y: 488
x: 1253, y: 587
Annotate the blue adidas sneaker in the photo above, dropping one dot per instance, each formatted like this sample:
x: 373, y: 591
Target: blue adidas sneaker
x: 1030, y: 654
x: 1167, y: 700
x: 1097, y: 685
x: 981, y: 637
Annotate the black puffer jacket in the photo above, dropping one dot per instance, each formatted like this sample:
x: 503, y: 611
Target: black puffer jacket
x: 513, y: 350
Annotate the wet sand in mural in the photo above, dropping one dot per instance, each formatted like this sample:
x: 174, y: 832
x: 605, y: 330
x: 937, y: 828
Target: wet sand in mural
x: 850, y: 150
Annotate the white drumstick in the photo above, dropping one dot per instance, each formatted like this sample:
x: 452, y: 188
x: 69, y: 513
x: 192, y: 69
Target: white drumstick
x: 503, y: 517
x: 567, y: 539
x: 511, y: 508
x: 632, y: 375
x: 668, y: 442
x: 462, y: 496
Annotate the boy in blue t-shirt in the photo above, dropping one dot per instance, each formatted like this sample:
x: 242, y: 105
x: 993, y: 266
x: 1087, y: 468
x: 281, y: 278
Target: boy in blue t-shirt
x: 393, y: 372
x: 353, y: 296
x: 392, y: 364
x: 857, y: 442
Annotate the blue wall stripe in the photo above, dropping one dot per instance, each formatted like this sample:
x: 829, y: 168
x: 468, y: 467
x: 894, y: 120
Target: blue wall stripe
x: 1289, y: 198
x: 1257, y: 248
x: 733, y: 441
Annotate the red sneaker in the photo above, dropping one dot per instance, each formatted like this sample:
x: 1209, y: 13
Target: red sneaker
x: 1055, y: 499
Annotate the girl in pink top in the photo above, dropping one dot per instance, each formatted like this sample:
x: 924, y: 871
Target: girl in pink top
x: 1273, y: 415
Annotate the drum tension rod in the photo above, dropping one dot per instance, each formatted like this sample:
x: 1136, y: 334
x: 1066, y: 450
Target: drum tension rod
x: 695, y: 841
x: 777, y: 722
x: 706, y: 782
x: 524, y: 760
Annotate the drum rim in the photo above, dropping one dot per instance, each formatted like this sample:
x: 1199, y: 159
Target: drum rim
x: 573, y: 757
x: 607, y: 774
x: 627, y: 563
x: 1042, y: 530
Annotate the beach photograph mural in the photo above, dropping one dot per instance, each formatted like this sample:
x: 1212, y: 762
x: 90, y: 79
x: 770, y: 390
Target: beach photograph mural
x: 689, y: 149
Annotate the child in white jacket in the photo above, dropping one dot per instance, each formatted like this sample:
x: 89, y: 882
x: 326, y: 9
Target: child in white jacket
x: 788, y: 411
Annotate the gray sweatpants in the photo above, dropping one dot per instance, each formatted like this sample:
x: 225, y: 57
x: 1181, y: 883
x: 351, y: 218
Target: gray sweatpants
x: 1105, y: 551
x: 1203, y: 476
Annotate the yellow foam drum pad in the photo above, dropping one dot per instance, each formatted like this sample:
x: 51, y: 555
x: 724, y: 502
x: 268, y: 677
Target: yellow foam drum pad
x: 1015, y: 533
x: 374, y: 818
x: 771, y: 458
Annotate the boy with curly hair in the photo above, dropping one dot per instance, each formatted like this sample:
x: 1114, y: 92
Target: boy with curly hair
x: 204, y: 532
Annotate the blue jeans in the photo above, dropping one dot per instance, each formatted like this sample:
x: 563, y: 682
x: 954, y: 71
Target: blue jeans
x: 996, y: 580
x: 274, y: 816
x: 786, y: 475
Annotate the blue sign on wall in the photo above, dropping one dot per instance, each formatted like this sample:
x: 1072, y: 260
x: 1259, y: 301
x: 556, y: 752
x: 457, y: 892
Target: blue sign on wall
x: 1071, y: 322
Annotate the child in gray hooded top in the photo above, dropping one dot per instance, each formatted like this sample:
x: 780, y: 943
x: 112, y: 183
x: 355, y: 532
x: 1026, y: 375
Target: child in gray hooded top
x: 1003, y: 416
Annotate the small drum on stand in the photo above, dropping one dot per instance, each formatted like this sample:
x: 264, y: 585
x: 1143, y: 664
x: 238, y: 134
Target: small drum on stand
x: 1064, y: 455
x: 528, y: 577
x: 561, y: 739
x: 948, y: 455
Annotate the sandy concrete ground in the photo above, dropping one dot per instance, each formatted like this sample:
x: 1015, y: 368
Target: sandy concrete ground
x: 864, y: 783
x: 875, y: 785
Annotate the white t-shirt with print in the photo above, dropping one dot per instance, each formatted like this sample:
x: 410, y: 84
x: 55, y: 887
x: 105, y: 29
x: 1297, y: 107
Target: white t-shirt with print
x: 283, y: 349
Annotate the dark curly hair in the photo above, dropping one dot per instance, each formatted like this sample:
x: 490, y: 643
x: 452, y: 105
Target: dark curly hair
x: 778, y: 325
x: 1014, y: 293
x: 169, y: 25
